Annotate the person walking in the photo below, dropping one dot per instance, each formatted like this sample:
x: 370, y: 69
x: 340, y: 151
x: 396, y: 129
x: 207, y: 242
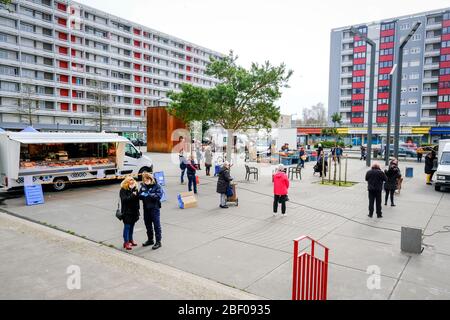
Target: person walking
x: 191, y: 171
x: 302, y: 157
x: 150, y: 193
x: 319, y: 149
x: 393, y: 175
x: 363, y: 153
x: 223, y: 183
x: 208, y: 159
x: 183, y: 163
x: 339, y: 153
x: 319, y: 167
x: 280, y: 190
x: 375, y: 178
x: 430, y: 166
x: 129, y: 199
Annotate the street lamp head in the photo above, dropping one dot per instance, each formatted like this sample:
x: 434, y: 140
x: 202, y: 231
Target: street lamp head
x: 393, y: 70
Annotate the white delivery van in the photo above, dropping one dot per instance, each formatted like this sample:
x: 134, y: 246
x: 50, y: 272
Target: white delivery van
x: 443, y: 170
x: 62, y: 158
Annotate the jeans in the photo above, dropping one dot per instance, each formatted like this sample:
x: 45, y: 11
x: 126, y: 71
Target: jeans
x: 192, y: 181
x: 182, y: 174
x: 279, y: 199
x: 152, y: 220
x: 375, y: 196
x: 389, y: 193
x: 128, y: 232
x: 302, y: 163
x: 223, y: 199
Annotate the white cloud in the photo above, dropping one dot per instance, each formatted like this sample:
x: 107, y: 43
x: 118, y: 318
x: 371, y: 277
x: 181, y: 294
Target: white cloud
x: 291, y: 31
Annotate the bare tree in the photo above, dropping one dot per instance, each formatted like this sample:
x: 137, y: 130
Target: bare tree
x: 102, y: 101
x: 315, y: 115
x: 27, y: 104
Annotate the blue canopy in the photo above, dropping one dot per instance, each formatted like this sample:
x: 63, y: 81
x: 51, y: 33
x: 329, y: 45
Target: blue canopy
x: 29, y: 129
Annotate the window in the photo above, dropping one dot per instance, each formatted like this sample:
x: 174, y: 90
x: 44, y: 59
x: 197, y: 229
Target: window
x: 130, y: 151
x: 7, y: 22
x: 9, y: 86
x: 413, y: 89
x: 414, y: 76
x: 77, y: 122
x: 28, y: 58
x: 416, y: 37
x: 26, y: 27
x: 9, y: 71
x: 415, y: 50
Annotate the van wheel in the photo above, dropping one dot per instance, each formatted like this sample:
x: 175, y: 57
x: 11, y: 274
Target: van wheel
x: 60, y: 184
x: 437, y: 188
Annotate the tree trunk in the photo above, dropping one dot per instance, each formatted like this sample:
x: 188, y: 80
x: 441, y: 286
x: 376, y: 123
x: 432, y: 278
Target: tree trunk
x: 230, y: 144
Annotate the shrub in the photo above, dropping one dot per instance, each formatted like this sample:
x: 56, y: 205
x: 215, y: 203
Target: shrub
x: 329, y: 144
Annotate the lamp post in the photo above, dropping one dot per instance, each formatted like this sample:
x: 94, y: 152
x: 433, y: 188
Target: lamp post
x: 399, y: 86
x: 388, y: 133
x: 373, y: 49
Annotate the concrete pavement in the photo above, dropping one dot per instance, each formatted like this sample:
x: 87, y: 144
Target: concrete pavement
x: 247, y: 248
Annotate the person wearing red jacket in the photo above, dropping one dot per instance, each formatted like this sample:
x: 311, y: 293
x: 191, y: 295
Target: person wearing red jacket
x: 280, y: 189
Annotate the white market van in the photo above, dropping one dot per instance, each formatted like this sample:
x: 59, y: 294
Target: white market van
x: 61, y: 158
x: 443, y: 170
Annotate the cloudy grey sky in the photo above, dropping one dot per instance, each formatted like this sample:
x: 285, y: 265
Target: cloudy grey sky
x: 292, y: 31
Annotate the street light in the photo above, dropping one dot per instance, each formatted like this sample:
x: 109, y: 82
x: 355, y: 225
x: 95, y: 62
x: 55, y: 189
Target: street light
x: 388, y: 133
x: 399, y: 87
x: 373, y: 49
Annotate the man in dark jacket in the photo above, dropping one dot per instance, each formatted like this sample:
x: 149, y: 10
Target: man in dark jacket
x: 223, y: 183
x: 429, y: 166
x: 375, y: 178
x: 393, y: 175
x: 191, y: 171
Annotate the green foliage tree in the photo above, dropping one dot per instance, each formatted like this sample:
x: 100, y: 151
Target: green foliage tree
x: 4, y: 4
x: 243, y: 99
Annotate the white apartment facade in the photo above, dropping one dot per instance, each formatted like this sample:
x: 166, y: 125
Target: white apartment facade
x: 57, y: 57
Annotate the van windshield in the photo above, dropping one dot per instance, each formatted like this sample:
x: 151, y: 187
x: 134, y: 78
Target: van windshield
x: 445, y: 159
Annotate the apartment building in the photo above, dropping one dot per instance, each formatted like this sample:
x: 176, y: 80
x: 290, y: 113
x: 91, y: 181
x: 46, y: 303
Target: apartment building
x: 425, y: 91
x: 65, y: 66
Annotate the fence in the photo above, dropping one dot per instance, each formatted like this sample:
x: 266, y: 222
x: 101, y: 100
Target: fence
x: 310, y: 274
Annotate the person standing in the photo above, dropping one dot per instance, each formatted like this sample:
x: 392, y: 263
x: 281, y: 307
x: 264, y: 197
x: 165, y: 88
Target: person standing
x: 183, y: 163
x: 430, y: 166
x: 339, y: 152
x: 393, y: 175
x: 322, y: 164
x: 319, y: 149
x: 129, y: 199
x: 208, y: 160
x: 223, y: 183
x: 375, y: 178
x: 302, y: 155
x: 198, y: 151
x: 280, y: 190
x: 150, y: 193
x: 191, y: 171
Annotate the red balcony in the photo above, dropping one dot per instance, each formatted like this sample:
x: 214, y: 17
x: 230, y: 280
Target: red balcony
x: 64, y: 93
x: 382, y: 119
x: 387, y: 33
x: 357, y: 120
x: 63, y: 50
x: 137, y: 89
x: 64, y: 106
x: 61, y: 6
x: 137, y: 31
x: 357, y: 108
x: 443, y: 105
x: 137, y: 55
x: 383, y: 95
x: 358, y: 85
x: 63, y: 78
x: 74, y: 107
x: 359, y: 73
x: 62, y: 22
x: 137, y: 78
x: 387, y: 45
x: 359, y: 61
x: 360, y: 49
x: 443, y: 118
x: 387, y: 58
x: 62, y: 36
x: 382, y: 107
x: 137, y: 113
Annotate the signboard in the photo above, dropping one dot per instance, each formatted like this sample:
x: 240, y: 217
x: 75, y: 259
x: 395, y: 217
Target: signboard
x: 34, y: 195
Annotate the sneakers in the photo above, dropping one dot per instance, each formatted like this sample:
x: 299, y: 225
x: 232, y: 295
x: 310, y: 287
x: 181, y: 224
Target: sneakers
x: 284, y: 214
x: 274, y: 214
x: 156, y: 246
x: 392, y: 205
x: 147, y: 243
x: 224, y: 207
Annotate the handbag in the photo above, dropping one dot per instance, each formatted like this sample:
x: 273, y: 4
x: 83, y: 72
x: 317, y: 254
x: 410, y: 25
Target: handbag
x: 119, y: 214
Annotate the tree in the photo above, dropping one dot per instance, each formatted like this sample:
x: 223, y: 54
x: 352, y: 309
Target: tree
x: 243, y: 99
x: 336, y: 118
x: 27, y: 102
x: 315, y: 115
x: 5, y: 4
x: 101, y: 99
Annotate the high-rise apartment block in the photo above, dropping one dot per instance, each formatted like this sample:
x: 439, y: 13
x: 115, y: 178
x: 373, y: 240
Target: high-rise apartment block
x: 66, y: 65
x: 425, y: 90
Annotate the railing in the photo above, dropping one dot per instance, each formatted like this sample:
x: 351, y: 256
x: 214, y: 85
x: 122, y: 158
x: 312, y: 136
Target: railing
x: 310, y: 274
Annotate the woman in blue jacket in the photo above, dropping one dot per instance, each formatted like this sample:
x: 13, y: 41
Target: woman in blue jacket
x: 150, y: 193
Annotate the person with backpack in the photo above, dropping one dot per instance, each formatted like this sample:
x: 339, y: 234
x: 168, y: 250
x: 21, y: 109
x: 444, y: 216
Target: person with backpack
x: 280, y: 190
x: 151, y: 193
x: 129, y: 200
x: 191, y: 174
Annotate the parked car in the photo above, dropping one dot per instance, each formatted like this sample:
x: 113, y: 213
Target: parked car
x: 403, y: 152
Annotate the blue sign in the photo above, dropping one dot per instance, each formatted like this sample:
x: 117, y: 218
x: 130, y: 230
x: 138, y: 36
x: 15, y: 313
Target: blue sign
x: 34, y: 195
x: 159, y: 176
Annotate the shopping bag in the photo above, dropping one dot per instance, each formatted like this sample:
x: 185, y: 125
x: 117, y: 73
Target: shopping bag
x: 197, y: 179
x: 164, y: 195
x: 229, y: 191
x: 159, y: 177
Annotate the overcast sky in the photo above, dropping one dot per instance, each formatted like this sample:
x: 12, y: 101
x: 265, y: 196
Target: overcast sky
x: 292, y: 31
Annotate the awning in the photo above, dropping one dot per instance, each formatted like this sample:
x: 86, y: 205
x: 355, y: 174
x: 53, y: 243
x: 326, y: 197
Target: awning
x: 56, y: 137
x: 440, y: 130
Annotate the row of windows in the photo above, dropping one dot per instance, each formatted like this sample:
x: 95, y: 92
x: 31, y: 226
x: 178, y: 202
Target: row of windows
x: 445, y: 44
x: 385, y: 64
x: 445, y: 57
x: 358, y: 90
x: 443, y: 112
x: 444, y: 85
x: 359, y: 55
x: 446, y: 30
x: 384, y: 76
x: 358, y: 79
x: 359, y: 43
x: 445, y: 98
x: 387, y: 26
x: 357, y: 115
x: 382, y: 113
x: 444, y: 71
x: 359, y: 67
x: 387, y: 39
x: 386, y: 52
x: 383, y: 101
x: 358, y: 102
x: 383, y: 89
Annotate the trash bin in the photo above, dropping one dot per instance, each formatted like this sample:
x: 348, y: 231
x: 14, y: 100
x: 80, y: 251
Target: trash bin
x: 409, y: 172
